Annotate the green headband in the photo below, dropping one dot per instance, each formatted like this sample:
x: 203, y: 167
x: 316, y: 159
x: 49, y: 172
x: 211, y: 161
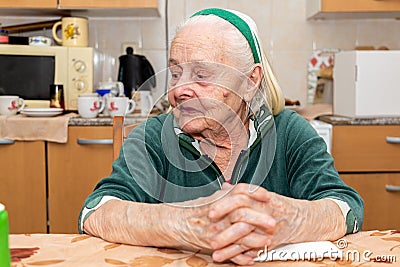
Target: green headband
x: 239, y: 23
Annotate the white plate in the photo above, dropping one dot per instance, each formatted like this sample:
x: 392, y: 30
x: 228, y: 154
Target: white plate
x: 42, y: 112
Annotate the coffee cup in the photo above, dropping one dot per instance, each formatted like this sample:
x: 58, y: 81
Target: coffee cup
x: 11, y: 104
x: 120, y: 106
x: 74, y: 31
x: 90, y: 105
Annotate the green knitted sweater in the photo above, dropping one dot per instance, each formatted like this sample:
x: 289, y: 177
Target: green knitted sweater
x: 159, y: 164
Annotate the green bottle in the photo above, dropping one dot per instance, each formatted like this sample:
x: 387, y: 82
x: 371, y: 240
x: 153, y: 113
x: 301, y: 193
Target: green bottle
x: 4, y: 249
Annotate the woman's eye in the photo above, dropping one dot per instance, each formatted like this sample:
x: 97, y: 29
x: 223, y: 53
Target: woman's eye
x: 175, y: 75
x: 202, y: 76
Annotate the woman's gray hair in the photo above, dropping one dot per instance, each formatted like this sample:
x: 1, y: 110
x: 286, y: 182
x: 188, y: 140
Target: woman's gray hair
x: 242, y: 58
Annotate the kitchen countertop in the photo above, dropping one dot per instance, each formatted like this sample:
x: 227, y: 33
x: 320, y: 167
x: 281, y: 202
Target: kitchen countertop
x: 339, y: 120
x: 102, y: 120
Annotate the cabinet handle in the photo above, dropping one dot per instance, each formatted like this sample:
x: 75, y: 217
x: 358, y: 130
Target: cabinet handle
x: 81, y: 141
x: 392, y: 188
x: 392, y: 140
x: 6, y: 142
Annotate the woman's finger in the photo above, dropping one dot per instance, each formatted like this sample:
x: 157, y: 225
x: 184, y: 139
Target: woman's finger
x: 243, y: 259
x: 253, y: 217
x: 230, y: 235
x: 237, y: 198
x: 255, y: 240
x: 243, y: 251
x: 228, y: 252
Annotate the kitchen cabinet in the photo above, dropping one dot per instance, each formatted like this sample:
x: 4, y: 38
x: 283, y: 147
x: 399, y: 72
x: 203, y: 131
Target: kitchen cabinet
x: 337, y: 9
x: 23, y: 185
x: 381, y: 203
x: 28, y: 4
x: 74, y: 168
x: 108, y: 4
x: 143, y: 8
x: 368, y: 159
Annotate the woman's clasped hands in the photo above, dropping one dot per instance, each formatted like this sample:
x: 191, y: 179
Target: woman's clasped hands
x: 240, y: 220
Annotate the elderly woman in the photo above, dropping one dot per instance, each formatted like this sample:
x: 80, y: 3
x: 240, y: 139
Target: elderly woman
x: 229, y: 171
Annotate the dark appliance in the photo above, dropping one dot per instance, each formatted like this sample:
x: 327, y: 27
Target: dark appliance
x: 134, y: 70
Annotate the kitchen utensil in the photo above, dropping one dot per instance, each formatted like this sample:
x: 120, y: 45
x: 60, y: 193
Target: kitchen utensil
x: 90, y: 105
x: 11, y: 104
x: 115, y: 88
x: 42, y: 112
x: 133, y: 71
x: 120, y: 106
x: 57, y: 96
x: 40, y: 41
x: 74, y: 31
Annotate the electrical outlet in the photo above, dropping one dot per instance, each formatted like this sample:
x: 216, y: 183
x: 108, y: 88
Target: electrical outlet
x: 134, y: 45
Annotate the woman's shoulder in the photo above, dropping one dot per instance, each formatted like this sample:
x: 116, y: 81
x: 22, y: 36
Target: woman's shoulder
x: 290, y: 122
x: 288, y: 116
x: 151, y: 126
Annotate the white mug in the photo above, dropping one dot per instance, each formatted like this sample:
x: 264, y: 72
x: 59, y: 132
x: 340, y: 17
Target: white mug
x: 144, y: 102
x: 9, y: 104
x: 120, y: 106
x: 90, y: 105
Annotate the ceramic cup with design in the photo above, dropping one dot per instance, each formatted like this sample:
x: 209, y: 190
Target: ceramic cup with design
x: 11, y: 104
x: 90, y: 105
x: 74, y: 31
x: 120, y: 106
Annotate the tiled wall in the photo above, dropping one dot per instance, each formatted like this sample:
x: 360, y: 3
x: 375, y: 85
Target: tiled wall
x: 288, y: 38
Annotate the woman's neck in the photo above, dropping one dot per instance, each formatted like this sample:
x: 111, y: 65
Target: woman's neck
x: 224, y: 147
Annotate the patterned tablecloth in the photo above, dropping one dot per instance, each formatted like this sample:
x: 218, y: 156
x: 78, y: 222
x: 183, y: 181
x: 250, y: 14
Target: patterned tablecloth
x: 373, y: 248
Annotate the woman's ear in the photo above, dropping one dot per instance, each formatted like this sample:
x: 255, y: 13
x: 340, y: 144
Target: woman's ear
x: 254, y: 82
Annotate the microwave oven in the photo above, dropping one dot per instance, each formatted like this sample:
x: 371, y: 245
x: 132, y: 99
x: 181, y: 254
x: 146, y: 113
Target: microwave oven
x: 366, y: 83
x: 28, y: 71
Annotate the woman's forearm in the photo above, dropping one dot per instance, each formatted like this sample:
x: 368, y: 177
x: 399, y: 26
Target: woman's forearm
x: 158, y: 225
x: 130, y: 223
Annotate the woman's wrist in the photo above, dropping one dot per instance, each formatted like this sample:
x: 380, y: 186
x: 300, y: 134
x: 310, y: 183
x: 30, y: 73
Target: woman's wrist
x: 306, y: 218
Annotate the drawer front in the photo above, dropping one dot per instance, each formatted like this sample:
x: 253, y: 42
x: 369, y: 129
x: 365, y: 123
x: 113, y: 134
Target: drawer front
x: 366, y: 148
x: 380, y: 193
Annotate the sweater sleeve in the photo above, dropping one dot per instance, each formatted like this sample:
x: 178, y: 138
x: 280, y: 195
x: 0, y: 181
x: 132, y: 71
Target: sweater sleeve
x: 138, y: 180
x: 312, y: 174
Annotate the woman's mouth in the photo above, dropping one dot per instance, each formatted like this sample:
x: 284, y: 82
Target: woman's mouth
x: 188, y: 110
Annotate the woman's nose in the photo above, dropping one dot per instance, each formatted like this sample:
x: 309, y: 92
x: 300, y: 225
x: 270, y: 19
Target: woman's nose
x: 184, y: 88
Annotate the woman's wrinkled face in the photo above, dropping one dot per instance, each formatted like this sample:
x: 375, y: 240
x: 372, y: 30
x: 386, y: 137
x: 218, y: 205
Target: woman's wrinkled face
x: 204, y: 88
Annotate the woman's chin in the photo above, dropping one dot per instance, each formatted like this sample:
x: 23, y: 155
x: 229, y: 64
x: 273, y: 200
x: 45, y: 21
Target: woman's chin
x: 192, y: 126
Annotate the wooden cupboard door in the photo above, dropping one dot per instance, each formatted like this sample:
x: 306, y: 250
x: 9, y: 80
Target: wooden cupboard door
x: 359, y: 5
x: 381, y: 194
x: 28, y: 4
x: 108, y: 4
x: 366, y: 148
x: 23, y: 185
x: 74, y: 170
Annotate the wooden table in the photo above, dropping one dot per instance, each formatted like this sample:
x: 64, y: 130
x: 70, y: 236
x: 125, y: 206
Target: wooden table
x: 83, y: 250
